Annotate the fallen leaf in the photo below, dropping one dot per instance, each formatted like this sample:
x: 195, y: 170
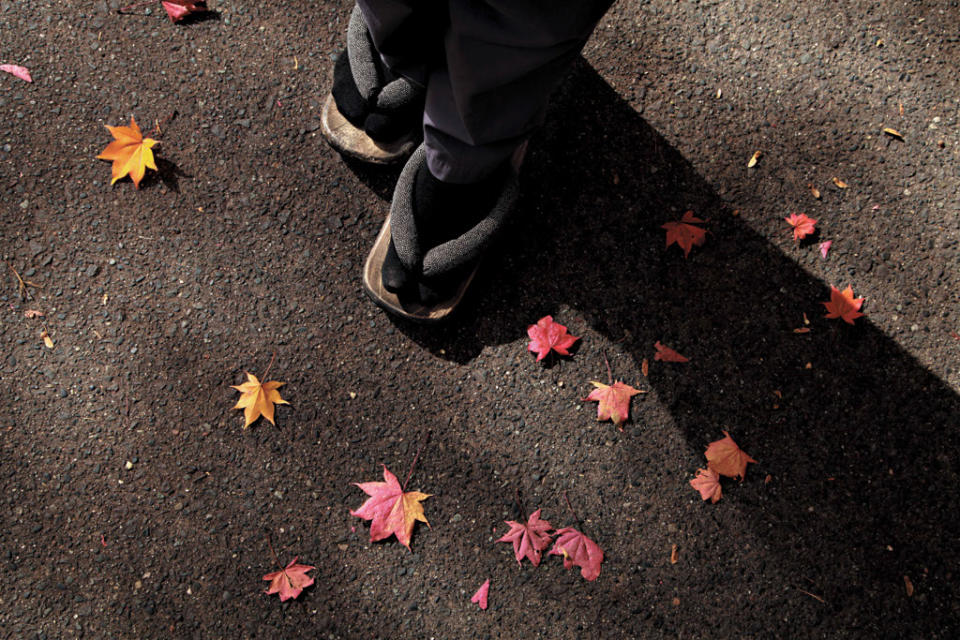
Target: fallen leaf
x: 258, y: 399
x: 645, y: 367
x: 548, y: 335
x: 825, y: 247
x: 666, y: 354
x: 840, y: 183
x: 908, y: 585
x: 47, y: 340
x: 131, y: 153
x: 842, y: 304
x: 290, y: 581
x: 674, y: 554
x: 707, y: 483
x: 753, y: 159
x: 33, y: 313
x: 529, y: 539
x: 814, y: 191
x: 893, y: 132
x: 480, y: 597
x: 391, y: 510
x: 806, y: 320
x: 803, y: 225
x: 685, y: 234
x: 614, y: 401
x: 726, y: 458
x: 177, y: 10
x: 578, y: 550
x: 17, y: 70
x: 802, y: 330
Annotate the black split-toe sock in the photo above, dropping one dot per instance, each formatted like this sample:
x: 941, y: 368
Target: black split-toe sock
x: 442, y: 212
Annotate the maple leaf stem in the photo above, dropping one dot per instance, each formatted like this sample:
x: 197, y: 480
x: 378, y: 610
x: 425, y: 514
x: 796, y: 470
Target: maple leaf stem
x: 272, y: 357
x: 22, y: 289
x: 276, y: 560
x: 570, y: 506
x: 158, y: 127
x: 520, y: 505
x: 413, y: 465
x: 609, y: 372
x: 135, y: 5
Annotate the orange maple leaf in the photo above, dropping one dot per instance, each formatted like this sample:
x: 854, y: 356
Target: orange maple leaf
x: 843, y: 305
x: 131, y: 153
x: 685, y: 234
x: 258, y: 399
x: 391, y: 510
x: 803, y: 225
x: 707, y: 483
x: 613, y: 401
x: 726, y: 458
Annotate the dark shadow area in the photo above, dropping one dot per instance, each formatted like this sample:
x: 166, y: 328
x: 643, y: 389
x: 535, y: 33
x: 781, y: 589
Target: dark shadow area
x: 167, y: 173
x: 863, y: 443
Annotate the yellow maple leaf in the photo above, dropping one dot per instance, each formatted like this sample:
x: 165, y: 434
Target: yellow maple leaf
x: 131, y: 153
x: 258, y: 399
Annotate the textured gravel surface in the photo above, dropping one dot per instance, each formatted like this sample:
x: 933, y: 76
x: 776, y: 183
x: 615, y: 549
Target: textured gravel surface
x: 135, y: 506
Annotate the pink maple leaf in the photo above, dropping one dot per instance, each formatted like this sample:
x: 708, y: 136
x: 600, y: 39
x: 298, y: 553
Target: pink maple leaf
x: 289, y: 581
x: 177, y: 10
x: 17, y: 70
x: 548, y: 335
x: 577, y: 549
x: 528, y: 539
x: 803, y: 225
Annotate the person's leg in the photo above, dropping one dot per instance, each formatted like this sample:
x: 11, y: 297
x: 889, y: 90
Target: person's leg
x: 502, y: 59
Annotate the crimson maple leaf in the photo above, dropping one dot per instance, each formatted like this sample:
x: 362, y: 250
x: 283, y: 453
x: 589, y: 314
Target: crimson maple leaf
x: 390, y: 510
x: 685, y: 234
x: 802, y: 224
x: 547, y: 335
x: 726, y: 458
x: 577, y: 549
x: 528, y: 539
x: 843, y: 305
x: 289, y: 581
x: 707, y: 483
x: 613, y: 401
x: 177, y: 10
x: 667, y: 354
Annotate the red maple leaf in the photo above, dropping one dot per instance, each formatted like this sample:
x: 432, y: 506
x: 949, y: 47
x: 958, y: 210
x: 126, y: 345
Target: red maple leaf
x: 843, y: 305
x: 577, y: 549
x: 614, y: 401
x: 547, y: 335
x: 290, y: 581
x: 528, y: 539
x: 707, y: 483
x: 480, y: 597
x: 726, y: 458
x: 177, y: 10
x: 667, y: 354
x: 685, y: 234
x: 391, y: 511
x: 802, y: 224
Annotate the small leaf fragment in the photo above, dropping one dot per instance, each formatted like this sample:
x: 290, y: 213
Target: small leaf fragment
x: 47, y: 340
x: 753, y: 159
x: 177, y: 10
x: 18, y: 71
x: 33, y: 313
x: 645, y: 368
x: 666, y: 354
x: 840, y: 183
x: 893, y: 132
x: 480, y: 597
x: 814, y: 191
x: 674, y: 554
x: 908, y: 585
x: 825, y: 247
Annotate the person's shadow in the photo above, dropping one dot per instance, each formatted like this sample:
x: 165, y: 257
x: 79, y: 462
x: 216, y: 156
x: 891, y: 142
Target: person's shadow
x: 860, y: 439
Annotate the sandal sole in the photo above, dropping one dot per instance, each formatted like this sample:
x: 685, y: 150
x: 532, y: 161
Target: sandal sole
x: 355, y: 143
